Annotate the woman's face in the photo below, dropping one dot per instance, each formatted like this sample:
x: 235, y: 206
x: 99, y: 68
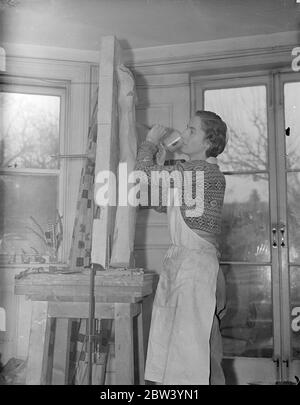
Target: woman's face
x: 193, y: 136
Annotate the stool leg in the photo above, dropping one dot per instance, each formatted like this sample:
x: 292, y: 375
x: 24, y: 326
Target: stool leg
x: 61, y: 362
x: 141, y: 354
x: 50, y: 356
x: 38, y: 344
x: 124, y: 344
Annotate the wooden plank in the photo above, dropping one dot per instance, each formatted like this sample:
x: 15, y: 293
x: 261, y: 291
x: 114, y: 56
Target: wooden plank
x: 124, y: 345
x: 74, y: 290
x: 50, y: 356
x: 110, y: 277
x: 106, y: 329
x: 80, y: 310
x: 61, y: 354
x: 26, y: 289
x: 38, y: 344
x: 124, y: 231
x: 141, y: 353
x: 82, y: 230
x: 135, y: 309
x: 107, y: 154
x: 100, y: 299
x: 76, y: 287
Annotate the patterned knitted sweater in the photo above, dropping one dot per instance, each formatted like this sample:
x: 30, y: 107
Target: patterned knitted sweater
x: 202, y: 188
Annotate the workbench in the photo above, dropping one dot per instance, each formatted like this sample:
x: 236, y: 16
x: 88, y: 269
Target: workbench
x: 119, y: 295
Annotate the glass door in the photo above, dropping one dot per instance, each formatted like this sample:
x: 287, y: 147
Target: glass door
x: 251, y: 329
x: 288, y: 156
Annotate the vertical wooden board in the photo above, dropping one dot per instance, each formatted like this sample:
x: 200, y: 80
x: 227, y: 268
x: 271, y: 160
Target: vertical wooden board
x: 94, y: 87
x: 110, y: 55
x: 106, y: 100
x: 81, y: 237
x: 103, y: 226
x: 107, y: 153
x: 123, y: 240
x: 38, y: 344
x: 124, y: 344
x: 61, y: 354
x: 141, y: 353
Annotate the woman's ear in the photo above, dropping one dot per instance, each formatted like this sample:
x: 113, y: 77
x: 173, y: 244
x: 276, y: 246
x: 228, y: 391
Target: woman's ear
x: 206, y: 145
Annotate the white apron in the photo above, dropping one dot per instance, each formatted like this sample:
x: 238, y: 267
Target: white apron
x: 183, y: 308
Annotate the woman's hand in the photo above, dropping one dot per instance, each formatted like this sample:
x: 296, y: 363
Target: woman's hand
x: 161, y: 155
x: 156, y: 133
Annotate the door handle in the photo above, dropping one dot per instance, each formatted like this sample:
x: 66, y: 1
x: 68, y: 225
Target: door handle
x: 286, y: 362
x: 276, y: 361
x: 282, y: 231
x: 274, y: 233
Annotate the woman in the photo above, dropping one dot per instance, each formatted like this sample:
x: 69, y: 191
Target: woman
x: 185, y: 300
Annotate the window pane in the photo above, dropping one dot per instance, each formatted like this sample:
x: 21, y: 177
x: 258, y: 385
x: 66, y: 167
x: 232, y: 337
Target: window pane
x: 293, y: 211
x: 29, y: 132
x: 244, y: 110
x: 245, y: 225
x: 247, y: 326
x: 295, y: 310
x: 20, y: 198
x: 292, y: 121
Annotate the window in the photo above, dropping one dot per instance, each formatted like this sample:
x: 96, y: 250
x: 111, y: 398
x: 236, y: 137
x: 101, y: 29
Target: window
x: 245, y: 243
x: 30, y: 173
x: 245, y: 163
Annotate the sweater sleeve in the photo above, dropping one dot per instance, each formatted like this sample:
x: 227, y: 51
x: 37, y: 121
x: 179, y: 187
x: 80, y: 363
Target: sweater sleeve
x: 160, y: 178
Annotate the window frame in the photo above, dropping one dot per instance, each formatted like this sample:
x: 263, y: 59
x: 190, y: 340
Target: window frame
x: 75, y: 78
x: 265, y: 78
x: 51, y: 89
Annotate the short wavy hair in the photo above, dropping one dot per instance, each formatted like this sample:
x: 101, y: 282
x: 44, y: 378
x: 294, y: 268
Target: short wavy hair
x: 215, y: 130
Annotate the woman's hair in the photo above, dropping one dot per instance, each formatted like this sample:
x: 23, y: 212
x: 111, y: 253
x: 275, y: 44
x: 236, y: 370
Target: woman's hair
x: 215, y: 130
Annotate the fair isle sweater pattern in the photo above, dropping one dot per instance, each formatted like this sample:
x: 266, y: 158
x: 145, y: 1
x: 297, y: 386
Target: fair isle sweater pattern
x: 214, y: 187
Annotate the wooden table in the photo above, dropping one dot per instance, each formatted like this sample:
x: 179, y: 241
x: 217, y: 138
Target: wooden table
x: 119, y: 295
